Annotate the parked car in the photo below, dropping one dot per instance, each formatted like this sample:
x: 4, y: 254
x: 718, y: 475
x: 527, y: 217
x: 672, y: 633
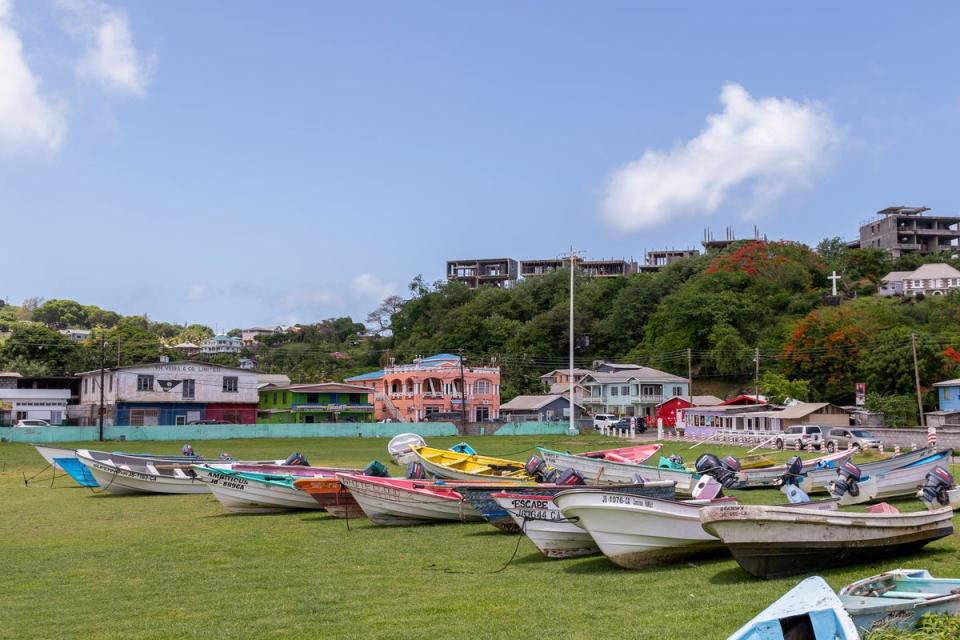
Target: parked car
x: 209, y: 422
x: 604, y: 420
x: 808, y: 434
x: 32, y: 423
x: 845, y: 438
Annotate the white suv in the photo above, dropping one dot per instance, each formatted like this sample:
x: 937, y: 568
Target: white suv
x: 32, y: 423
x: 806, y: 434
x: 604, y: 420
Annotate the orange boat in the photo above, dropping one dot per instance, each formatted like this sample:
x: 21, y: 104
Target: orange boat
x: 332, y: 496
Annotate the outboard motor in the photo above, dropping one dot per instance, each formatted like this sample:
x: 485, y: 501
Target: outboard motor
x: 535, y: 466
x: 376, y: 469
x: 936, y: 486
x: 725, y: 471
x: 415, y: 471
x: 848, y: 479
x: 296, y: 459
x: 569, y: 477
x: 790, y: 481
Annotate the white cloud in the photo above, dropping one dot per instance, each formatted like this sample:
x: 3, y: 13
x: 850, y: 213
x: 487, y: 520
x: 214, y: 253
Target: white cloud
x: 197, y: 292
x: 27, y: 120
x: 110, y: 58
x: 764, y: 146
x: 371, y: 287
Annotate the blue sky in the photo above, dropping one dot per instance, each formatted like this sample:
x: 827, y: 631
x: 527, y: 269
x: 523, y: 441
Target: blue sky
x: 240, y: 163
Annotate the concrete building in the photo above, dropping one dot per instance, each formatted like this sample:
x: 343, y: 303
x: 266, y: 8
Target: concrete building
x: 540, y: 408
x: 171, y: 394
x: 33, y: 404
x: 77, y: 335
x: 248, y: 337
x: 476, y: 272
x: 591, y: 268
x: 429, y: 386
x: 902, y: 230
x: 311, y: 403
x: 221, y: 344
x: 656, y: 260
x: 931, y: 280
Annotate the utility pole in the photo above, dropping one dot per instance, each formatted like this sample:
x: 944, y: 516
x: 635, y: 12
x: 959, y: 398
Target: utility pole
x: 756, y: 374
x: 572, y: 429
x: 463, y: 392
x: 118, y: 350
x: 103, y: 357
x: 690, y: 374
x: 916, y: 377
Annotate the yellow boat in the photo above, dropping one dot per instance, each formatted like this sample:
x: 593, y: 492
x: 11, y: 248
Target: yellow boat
x: 453, y: 465
x: 758, y: 461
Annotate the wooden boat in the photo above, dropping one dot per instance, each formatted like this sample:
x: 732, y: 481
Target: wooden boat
x: 779, y: 541
x: 454, y: 465
x: 809, y: 611
x: 901, y: 481
x: 770, y: 476
x: 252, y: 492
x: 541, y: 520
x: 637, y: 531
x: 819, y: 479
x: 481, y: 497
x: 898, y: 598
x: 331, y: 495
x: 597, y: 471
x: 122, y: 474
x: 398, y: 501
x: 637, y: 454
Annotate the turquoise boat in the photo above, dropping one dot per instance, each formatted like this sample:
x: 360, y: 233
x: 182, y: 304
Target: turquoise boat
x: 897, y: 599
x: 811, y: 610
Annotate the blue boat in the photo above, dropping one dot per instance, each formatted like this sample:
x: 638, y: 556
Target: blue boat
x: 897, y: 599
x: 811, y: 610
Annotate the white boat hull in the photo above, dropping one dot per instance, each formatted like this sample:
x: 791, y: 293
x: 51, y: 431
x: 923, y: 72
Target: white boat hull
x: 540, y: 519
x: 904, y: 481
x: 119, y: 480
x: 389, y: 505
x: 51, y: 453
x: 818, y: 480
x: 245, y: 495
x: 596, y: 471
x: 635, y: 531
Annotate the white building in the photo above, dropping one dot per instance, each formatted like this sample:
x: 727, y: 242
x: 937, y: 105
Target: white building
x: 33, y: 404
x: 77, y: 335
x: 221, y: 344
x: 930, y: 279
x: 249, y: 336
x: 171, y: 393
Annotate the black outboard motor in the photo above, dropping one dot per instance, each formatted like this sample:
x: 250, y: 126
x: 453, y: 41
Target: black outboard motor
x: 725, y: 471
x: 935, y: 487
x: 535, y: 466
x: 549, y: 475
x: 297, y: 459
x: 794, y: 472
x: 415, y: 471
x: 569, y: 477
x: 376, y: 469
x: 848, y: 478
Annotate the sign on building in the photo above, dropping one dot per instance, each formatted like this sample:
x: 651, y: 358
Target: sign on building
x: 861, y: 394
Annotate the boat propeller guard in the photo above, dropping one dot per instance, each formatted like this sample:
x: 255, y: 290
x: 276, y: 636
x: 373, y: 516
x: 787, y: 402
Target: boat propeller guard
x: 935, y: 487
x: 724, y: 471
x: 848, y: 480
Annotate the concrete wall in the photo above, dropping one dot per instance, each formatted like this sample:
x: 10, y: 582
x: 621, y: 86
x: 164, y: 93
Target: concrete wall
x: 225, y: 432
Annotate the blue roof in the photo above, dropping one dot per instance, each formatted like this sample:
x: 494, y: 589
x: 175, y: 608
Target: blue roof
x: 442, y: 356
x: 373, y: 375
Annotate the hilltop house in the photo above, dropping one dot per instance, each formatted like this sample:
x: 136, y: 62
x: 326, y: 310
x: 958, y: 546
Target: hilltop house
x: 170, y: 394
x: 221, y: 344
x: 433, y: 386
x: 310, y: 403
x: 933, y: 279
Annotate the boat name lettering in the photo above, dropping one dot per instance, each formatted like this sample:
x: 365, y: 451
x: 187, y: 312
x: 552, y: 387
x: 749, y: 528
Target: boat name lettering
x: 540, y: 514
x: 526, y: 503
x: 126, y: 473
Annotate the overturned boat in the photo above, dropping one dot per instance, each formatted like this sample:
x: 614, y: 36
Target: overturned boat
x: 809, y: 611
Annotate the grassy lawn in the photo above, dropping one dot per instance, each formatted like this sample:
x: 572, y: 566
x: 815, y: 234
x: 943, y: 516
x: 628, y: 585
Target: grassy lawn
x: 80, y: 565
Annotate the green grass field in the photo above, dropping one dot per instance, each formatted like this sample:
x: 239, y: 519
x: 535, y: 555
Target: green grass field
x: 80, y: 565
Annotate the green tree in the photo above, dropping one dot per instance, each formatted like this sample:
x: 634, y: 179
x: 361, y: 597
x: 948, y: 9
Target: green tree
x: 899, y: 410
x: 34, y: 345
x: 62, y: 314
x: 778, y: 388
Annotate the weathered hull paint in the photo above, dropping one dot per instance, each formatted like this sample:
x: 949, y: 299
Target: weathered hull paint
x: 388, y: 505
x: 247, y: 495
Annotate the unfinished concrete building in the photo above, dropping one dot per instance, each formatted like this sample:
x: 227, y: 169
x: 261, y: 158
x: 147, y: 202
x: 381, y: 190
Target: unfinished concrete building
x: 902, y: 230
x: 476, y: 272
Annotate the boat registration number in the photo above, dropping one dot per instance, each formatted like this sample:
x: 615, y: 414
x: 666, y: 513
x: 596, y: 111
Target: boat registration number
x: 625, y: 499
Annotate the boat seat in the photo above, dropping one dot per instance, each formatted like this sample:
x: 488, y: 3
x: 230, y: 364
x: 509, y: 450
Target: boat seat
x: 910, y: 595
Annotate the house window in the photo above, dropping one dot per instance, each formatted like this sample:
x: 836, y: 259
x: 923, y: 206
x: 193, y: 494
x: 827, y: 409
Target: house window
x: 189, y: 388
x: 230, y: 384
x: 481, y: 387
x: 274, y: 397
x: 110, y: 388
x: 86, y: 385
x: 283, y: 397
x: 144, y: 383
x: 678, y: 391
x: 625, y: 390
x: 614, y: 391
x: 313, y: 398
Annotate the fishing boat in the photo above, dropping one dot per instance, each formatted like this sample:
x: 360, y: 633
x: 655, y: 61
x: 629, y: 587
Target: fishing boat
x: 122, y: 474
x: 538, y: 516
x: 481, y: 497
x: 598, y: 471
x: 637, y: 454
x: 400, y: 445
x: 66, y: 460
x: 455, y: 465
x: 818, y: 479
x: 331, y: 495
x: 254, y: 492
x: 770, y: 476
x: 898, y: 599
x: 809, y: 611
x: 779, y: 541
x: 901, y: 481
x: 398, y: 501
x: 757, y: 461
x: 637, y: 531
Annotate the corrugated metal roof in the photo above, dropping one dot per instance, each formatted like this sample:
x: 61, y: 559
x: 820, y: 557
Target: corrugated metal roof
x: 373, y: 375
x: 531, y: 403
x: 948, y: 383
x: 642, y: 374
x: 698, y: 401
x: 934, y: 271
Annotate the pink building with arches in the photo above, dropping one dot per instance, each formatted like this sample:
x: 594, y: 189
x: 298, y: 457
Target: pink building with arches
x: 433, y: 389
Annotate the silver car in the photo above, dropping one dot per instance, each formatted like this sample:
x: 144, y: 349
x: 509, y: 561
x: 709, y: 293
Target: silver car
x: 846, y: 438
x: 800, y: 436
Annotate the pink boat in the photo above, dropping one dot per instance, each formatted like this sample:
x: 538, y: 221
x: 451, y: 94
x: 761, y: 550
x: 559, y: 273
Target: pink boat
x: 398, y: 501
x: 283, y: 469
x: 635, y: 455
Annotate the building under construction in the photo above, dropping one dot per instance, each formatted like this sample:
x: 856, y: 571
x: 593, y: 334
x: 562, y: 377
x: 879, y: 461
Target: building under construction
x: 902, y: 230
